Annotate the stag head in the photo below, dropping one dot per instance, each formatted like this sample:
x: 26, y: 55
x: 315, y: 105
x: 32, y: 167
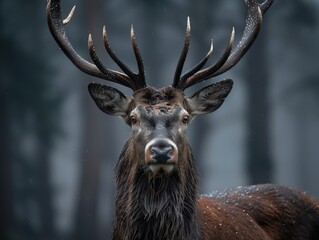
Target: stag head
x: 158, y: 117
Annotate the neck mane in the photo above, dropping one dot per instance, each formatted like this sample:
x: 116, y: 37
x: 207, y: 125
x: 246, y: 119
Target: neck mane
x: 155, y: 207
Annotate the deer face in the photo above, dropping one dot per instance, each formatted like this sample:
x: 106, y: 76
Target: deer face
x: 158, y: 131
x: 159, y: 119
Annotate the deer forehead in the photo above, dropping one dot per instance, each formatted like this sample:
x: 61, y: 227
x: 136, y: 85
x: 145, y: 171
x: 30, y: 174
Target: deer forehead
x: 152, y: 96
x: 159, y: 113
x: 159, y: 102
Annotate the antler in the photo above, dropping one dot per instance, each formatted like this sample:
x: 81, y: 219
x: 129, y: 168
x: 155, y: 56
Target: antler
x: 229, y: 58
x: 128, y: 78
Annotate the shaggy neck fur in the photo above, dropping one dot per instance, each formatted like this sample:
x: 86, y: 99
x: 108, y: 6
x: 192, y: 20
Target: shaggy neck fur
x: 155, y: 207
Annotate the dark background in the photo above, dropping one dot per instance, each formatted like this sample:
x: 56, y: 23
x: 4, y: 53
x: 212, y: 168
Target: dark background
x: 57, y: 150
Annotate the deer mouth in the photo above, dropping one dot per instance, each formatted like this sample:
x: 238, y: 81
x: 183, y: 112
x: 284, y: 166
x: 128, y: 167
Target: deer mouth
x: 160, y: 169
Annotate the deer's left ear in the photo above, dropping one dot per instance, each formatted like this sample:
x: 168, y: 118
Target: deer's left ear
x: 108, y: 99
x: 210, y: 98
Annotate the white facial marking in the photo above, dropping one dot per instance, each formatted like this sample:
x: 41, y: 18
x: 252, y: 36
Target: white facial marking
x: 156, y: 139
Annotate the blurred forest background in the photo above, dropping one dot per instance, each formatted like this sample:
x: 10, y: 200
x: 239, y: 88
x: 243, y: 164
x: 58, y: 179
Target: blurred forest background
x: 58, y: 150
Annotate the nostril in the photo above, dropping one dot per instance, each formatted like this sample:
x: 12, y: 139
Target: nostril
x: 161, y: 153
x: 161, y: 150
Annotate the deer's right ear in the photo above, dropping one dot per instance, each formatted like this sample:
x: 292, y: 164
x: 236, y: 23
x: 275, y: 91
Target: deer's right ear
x: 108, y: 99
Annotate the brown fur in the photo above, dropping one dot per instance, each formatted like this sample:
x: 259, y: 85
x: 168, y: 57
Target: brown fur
x: 155, y: 207
x: 255, y: 212
x: 270, y: 211
x: 169, y: 207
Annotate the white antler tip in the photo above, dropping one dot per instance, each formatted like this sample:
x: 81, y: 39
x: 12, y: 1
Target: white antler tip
x: 211, y: 45
x: 233, y: 33
x: 104, y: 31
x: 69, y: 17
x: 90, y: 40
x: 188, y: 23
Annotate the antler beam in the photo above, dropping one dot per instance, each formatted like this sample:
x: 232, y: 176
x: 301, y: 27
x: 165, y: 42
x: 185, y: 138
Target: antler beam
x: 128, y: 78
x: 229, y: 58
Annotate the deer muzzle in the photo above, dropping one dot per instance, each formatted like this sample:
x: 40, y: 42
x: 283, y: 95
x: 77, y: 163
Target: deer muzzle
x: 161, y: 155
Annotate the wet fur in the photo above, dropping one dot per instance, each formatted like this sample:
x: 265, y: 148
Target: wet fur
x: 169, y: 207
x: 260, y: 212
x: 149, y: 207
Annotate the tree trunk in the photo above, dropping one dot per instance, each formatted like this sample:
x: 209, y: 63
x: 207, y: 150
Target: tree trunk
x: 259, y: 163
x: 6, y: 191
x: 45, y: 193
x: 86, y: 222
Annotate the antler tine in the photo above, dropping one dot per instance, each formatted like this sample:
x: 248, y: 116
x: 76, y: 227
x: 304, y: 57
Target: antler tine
x: 102, y: 68
x: 183, y: 56
x: 199, y: 66
x: 265, y: 5
x: 111, y: 53
x: 140, y: 81
x: 69, y: 17
x: 56, y: 26
x: 204, y: 74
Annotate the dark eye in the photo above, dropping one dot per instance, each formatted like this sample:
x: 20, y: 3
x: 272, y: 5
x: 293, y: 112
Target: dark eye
x: 133, y: 119
x: 185, y: 119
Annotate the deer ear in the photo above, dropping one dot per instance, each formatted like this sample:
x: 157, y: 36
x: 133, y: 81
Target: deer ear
x: 108, y: 99
x: 210, y: 98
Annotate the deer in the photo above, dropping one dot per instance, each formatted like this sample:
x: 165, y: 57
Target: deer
x: 157, y: 192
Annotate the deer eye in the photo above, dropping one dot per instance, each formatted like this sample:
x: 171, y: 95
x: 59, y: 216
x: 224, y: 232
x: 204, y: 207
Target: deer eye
x: 185, y: 119
x: 133, y: 119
